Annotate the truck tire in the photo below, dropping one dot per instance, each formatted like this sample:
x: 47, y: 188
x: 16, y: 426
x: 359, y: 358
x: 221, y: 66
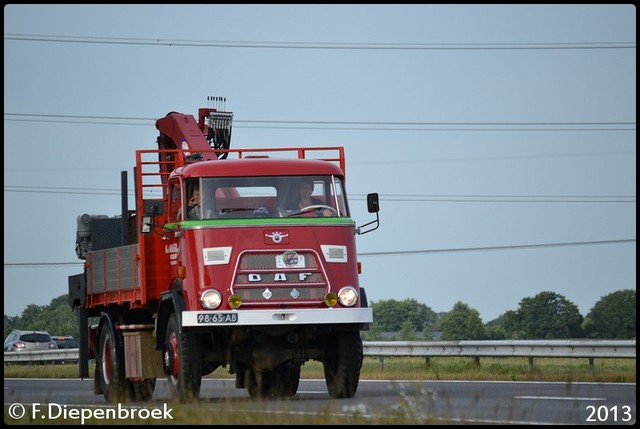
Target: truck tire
x: 141, y: 390
x: 281, y: 382
x: 110, y: 367
x: 342, y: 365
x: 255, y: 382
x: 182, y: 360
x: 285, y: 380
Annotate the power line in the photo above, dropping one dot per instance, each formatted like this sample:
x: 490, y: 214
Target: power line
x: 485, y: 248
x: 391, y: 253
x: 342, y: 125
x: 384, y: 197
x: 297, y: 122
x: 318, y: 45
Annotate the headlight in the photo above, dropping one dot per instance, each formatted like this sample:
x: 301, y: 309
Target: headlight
x: 348, y: 296
x: 211, y: 299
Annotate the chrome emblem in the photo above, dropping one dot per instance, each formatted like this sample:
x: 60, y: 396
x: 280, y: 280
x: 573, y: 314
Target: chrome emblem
x: 276, y: 236
x: 294, y: 293
x: 267, y: 294
x: 290, y: 258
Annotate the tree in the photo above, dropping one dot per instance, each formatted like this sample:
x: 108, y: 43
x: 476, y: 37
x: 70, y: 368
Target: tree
x: 391, y: 314
x: 548, y: 315
x: 32, y: 318
x: 613, y: 316
x: 408, y: 331
x: 57, y: 318
x: 373, y: 334
x: 462, y: 323
x: 9, y: 324
x: 510, y: 323
x: 495, y: 329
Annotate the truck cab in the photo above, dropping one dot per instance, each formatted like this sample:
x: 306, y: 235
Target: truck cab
x: 273, y: 282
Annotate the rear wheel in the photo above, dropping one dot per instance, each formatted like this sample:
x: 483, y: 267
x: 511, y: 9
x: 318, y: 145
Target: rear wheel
x: 110, y: 367
x: 342, y: 365
x: 182, y: 360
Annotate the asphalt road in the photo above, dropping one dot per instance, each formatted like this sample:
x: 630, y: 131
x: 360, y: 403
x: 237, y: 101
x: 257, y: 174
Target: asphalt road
x: 447, y: 402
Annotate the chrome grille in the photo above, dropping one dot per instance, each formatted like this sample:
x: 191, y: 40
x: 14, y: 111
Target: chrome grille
x: 259, y: 261
x: 280, y: 294
x: 269, y: 278
x: 259, y: 279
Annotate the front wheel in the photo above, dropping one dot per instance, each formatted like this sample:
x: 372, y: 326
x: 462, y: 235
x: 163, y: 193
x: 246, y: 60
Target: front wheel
x: 342, y: 365
x: 286, y: 378
x: 142, y: 390
x: 281, y: 382
x: 182, y: 361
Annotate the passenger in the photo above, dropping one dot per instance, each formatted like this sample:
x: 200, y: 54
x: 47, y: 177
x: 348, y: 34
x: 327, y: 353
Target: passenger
x: 194, y: 204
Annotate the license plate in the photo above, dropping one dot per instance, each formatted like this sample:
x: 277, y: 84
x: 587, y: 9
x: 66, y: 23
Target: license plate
x: 217, y: 318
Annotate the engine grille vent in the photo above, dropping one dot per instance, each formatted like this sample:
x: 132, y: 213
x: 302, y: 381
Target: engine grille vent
x: 264, y: 278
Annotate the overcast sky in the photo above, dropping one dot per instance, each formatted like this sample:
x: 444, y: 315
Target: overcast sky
x: 500, y: 138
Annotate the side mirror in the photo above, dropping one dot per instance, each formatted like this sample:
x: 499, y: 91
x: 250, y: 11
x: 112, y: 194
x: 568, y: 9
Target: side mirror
x: 372, y: 203
x: 147, y: 224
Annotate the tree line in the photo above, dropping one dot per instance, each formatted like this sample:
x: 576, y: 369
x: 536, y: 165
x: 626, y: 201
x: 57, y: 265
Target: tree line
x: 546, y: 315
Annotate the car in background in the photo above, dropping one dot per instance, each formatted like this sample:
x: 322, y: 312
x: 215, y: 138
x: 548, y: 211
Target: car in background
x: 20, y: 340
x: 65, y: 342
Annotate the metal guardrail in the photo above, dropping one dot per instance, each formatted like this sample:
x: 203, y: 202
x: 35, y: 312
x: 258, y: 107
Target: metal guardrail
x: 505, y: 348
x: 60, y: 355
x: 590, y: 349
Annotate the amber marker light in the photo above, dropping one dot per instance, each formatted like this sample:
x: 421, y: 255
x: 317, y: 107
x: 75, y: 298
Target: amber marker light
x: 235, y: 301
x: 330, y: 299
x: 182, y: 272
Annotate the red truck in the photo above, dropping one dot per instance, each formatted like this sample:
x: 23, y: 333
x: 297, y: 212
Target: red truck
x: 255, y: 280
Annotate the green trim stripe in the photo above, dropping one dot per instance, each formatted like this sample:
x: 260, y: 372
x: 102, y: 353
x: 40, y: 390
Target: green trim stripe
x: 342, y: 221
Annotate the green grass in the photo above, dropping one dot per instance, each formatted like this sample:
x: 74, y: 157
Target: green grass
x: 416, y: 368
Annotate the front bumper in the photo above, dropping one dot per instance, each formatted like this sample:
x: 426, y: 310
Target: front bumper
x: 287, y: 317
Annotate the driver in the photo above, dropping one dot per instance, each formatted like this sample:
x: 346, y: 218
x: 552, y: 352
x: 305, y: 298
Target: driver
x: 304, y: 199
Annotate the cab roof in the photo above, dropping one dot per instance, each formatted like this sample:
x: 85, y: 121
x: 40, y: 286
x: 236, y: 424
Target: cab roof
x: 257, y: 167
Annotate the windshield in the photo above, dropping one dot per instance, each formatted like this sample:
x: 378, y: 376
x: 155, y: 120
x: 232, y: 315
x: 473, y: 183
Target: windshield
x: 271, y: 197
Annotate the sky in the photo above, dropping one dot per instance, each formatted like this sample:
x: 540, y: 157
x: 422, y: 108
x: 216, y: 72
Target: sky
x: 501, y: 139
